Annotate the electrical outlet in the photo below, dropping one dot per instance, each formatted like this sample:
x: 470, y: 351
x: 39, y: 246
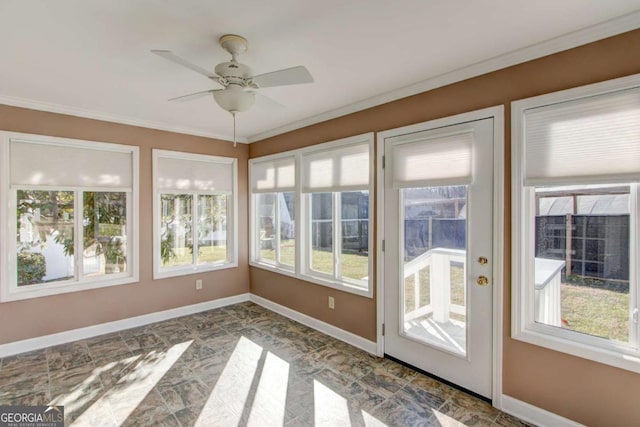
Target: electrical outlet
x: 198, y: 284
x: 332, y: 302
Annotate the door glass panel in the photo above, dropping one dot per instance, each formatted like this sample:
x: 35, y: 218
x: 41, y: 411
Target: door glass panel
x: 433, y: 270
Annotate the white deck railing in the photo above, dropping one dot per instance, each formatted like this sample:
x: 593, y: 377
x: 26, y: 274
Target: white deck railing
x: 439, y: 262
x: 547, y: 286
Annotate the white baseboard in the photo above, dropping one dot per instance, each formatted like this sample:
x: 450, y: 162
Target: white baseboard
x: 115, y: 326
x: 535, y: 415
x: 334, y: 331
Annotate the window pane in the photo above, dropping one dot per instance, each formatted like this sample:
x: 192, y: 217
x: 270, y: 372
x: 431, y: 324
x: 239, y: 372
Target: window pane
x: 322, y: 232
x: 105, y: 233
x: 266, y: 227
x: 434, y: 292
x: 354, y: 258
x: 287, y: 212
x: 212, y: 229
x: 176, y: 247
x: 45, y: 236
x: 582, y: 263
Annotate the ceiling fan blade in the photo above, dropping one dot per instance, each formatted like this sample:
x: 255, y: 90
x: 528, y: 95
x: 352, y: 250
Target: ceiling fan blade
x: 265, y: 102
x: 167, y: 54
x: 196, y: 95
x: 288, y: 76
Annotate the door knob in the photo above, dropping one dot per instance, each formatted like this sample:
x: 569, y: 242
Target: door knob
x: 483, y: 281
x: 483, y: 260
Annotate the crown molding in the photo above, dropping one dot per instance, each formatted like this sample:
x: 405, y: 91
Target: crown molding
x: 577, y: 38
x: 97, y: 115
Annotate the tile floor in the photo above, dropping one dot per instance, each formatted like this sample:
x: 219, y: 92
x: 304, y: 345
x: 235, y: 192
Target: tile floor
x: 240, y: 365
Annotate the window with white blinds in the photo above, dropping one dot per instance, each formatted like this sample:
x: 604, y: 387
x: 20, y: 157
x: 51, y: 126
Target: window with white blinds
x: 445, y: 160
x: 311, y: 212
x: 41, y: 163
x: 275, y: 175
x: 193, y: 172
x: 594, y: 139
x: 568, y: 148
x: 195, y: 213
x: 71, y: 212
x: 344, y: 168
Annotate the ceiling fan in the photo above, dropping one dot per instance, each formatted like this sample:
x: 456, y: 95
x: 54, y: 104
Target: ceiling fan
x: 239, y: 85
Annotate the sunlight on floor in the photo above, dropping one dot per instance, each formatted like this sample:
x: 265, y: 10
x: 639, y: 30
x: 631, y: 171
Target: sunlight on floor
x: 125, y: 396
x: 227, y: 400
x: 270, y: 398
x: 80, y: 395
x: 450, y: 335
x: 330, y: 408
x: 445, y: 420
x: 371, y: 421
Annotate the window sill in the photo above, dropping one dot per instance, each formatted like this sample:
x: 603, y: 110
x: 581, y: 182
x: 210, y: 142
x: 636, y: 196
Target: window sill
x: 50, y: 289
x: 341, y: 286
x: 618, y: 356
x: 274, y: 268
x: 184, y: 271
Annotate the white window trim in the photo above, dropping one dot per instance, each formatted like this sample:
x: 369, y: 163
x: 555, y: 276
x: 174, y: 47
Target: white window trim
x: 9, y: 288
x: 301, y: 270
x: 232, y: 213
x: 523, y: 327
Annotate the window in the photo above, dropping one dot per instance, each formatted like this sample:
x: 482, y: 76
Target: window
x: 576, y: 175
x: 274, y: 219
x: 336, y: 185
x: 339, y: 237
x: 74, y: 209
x: 194, y: 213
x: 328, y: 188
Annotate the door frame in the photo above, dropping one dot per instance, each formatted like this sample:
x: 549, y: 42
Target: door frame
x: 497, y: 114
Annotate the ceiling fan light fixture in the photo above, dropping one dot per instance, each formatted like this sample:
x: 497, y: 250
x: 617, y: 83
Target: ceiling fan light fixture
x: 234, y: 99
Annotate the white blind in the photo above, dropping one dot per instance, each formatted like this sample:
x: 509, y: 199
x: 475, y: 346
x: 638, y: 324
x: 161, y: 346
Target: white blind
x: 273, y: 175
x: 445, y: 160
x: 589, y: 140
x: 35, y: 163
x: 341, y: 169
x: 182, y: 174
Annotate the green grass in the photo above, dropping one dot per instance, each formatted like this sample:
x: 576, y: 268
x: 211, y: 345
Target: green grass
x: 457, y: 288
x: 595, y: 311
x: 354, y: 266
x: 206, y: 254
x: 287, y: 252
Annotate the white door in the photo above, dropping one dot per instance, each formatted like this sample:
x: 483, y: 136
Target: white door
x: 438, y: 201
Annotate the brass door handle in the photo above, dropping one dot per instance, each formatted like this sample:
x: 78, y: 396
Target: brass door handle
x: 483, y: 281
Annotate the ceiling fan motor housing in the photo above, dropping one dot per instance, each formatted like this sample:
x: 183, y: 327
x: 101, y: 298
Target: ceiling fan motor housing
x: 233, y: 72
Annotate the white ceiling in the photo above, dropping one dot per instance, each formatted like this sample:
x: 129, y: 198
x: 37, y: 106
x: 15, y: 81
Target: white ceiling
x: 91, y: 57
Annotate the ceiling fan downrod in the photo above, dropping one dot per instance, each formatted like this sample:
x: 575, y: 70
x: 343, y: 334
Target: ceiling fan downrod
x: 233, y: 113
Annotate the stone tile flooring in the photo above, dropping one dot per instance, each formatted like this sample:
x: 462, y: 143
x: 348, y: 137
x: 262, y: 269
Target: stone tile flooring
x: 240, y: 365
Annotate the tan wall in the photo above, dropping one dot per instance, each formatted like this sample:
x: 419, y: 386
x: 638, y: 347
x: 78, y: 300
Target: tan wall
x: 575, y: 388
x: 40, y: 316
